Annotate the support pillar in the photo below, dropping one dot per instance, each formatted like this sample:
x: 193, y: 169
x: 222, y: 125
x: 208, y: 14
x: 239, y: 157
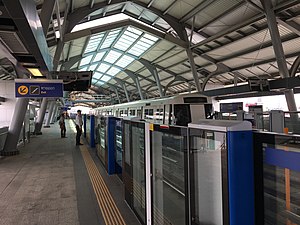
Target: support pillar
x: 278, y: 49
x: 126, y: 92
x: 154, y: 72
x: 136, y: 81
x: 50, y: 112
x: 117, y: 93
x: 39, y: 122
x: 54, y: 114
x: 194, y: 69
x: 15, y: 127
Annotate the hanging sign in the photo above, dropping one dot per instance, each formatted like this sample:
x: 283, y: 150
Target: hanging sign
x: 37, y: 88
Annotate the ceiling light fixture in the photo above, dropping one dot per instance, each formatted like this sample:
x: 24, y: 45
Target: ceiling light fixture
x: 35, y: 72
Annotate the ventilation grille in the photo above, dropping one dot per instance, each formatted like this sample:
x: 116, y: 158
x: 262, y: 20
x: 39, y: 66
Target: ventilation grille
x: 12, y: 42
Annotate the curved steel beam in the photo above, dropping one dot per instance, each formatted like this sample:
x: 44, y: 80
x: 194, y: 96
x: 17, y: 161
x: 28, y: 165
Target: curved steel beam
x: 171, y: 82
x: 221, y: 68
x: 295, y: 67
x: 137, y: 82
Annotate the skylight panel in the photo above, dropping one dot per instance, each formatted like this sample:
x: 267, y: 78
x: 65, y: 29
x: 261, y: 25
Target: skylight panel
x: 97, y: 75
x: 113, y: 71
x: 86, y: 60
x: 98, y: 56
x: 143, y: 45
x: 151, y: 37
x: 112, y: 56
x: 124, y: 61
x: 93, y: 67
x: 103, y: 67
x: 83, y: 68
x: 130, y: 34
x: 112, y: 35
x: 148, y: 41
x: 136, y: 51
x: 134, y: 30
x: 94, y: 81
x: 105, y: 78
x: 100, y: 82
x: 93, y: 43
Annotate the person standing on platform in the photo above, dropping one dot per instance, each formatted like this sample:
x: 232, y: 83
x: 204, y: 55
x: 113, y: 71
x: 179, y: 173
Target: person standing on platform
x: 62, y: 125
x: 79, y: 123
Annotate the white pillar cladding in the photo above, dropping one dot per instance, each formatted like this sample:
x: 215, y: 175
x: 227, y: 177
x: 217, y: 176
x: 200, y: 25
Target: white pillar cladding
x: 50, y: 112
x: 15, y: 127
x: 42, y: 111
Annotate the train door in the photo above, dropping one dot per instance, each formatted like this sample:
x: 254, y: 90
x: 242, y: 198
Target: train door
x: 158, y: 115
x: 139, y: 113
x: 182, y: 114
x: 166, y: 114
x: 197, y: 112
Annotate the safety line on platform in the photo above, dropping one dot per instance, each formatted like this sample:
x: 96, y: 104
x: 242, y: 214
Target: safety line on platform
x: 109, y: 210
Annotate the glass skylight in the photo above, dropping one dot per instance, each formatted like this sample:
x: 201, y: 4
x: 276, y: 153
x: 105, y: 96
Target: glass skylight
x: 97, y: 75
x: 113, y: 71
x: 93, y: 43
x: 105, y: 78
x: 110, y: 38
x: 124, y: 61
x: 112, y: 56
x: 84, y: 68
x: 94, y: 81
x: 93, y: 67
x: 98, y: 56
x: 86, y: 60
x: 103, y: 67
x: 108, y: 53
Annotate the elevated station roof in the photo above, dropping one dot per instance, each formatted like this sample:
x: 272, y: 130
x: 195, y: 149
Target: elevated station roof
x: 163, y: 46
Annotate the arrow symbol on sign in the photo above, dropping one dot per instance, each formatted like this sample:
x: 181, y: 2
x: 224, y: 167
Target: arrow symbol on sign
x: 35, y: 90
x: 23, y: 90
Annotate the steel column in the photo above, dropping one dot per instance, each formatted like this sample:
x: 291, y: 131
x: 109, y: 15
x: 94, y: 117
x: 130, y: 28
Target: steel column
x: 15, y: 127
x: 278, y: 49
x: 194, y: 69
x: 54, y: 114
x: 46, y: 14
x: 126, y: 92
x: 154, y: 72
x: 39, y: 122
x: 50, y: 112
x: 136, y: 81
x: 118, y: 96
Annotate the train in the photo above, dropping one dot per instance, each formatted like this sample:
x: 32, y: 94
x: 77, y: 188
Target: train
x: 176, y: 110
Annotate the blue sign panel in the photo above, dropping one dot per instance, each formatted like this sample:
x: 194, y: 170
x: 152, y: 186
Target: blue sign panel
x: 27, y: 88
x: 282, y: 158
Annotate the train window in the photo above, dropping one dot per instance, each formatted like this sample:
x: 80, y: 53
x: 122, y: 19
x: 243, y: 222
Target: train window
x: 150, y: 112
x: 182, y: 114
x: 139, y: 113
x: 146, y: 112
x: 195, y: 100
x: 121, y: 113
x: 171, y: 114
x: 132, y: 112
x: 126, y: 112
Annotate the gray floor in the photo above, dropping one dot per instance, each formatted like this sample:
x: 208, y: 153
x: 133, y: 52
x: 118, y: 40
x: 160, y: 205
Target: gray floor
x: 47, y: 184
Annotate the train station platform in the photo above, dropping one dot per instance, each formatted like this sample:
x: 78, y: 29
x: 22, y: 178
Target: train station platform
x: 52, y: 181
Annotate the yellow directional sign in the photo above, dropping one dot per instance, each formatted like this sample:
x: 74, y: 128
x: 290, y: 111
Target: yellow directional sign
x: 23, y: 90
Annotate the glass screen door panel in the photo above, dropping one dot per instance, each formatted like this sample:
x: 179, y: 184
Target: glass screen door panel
x: 208, y: 177
x: 169, y: 148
